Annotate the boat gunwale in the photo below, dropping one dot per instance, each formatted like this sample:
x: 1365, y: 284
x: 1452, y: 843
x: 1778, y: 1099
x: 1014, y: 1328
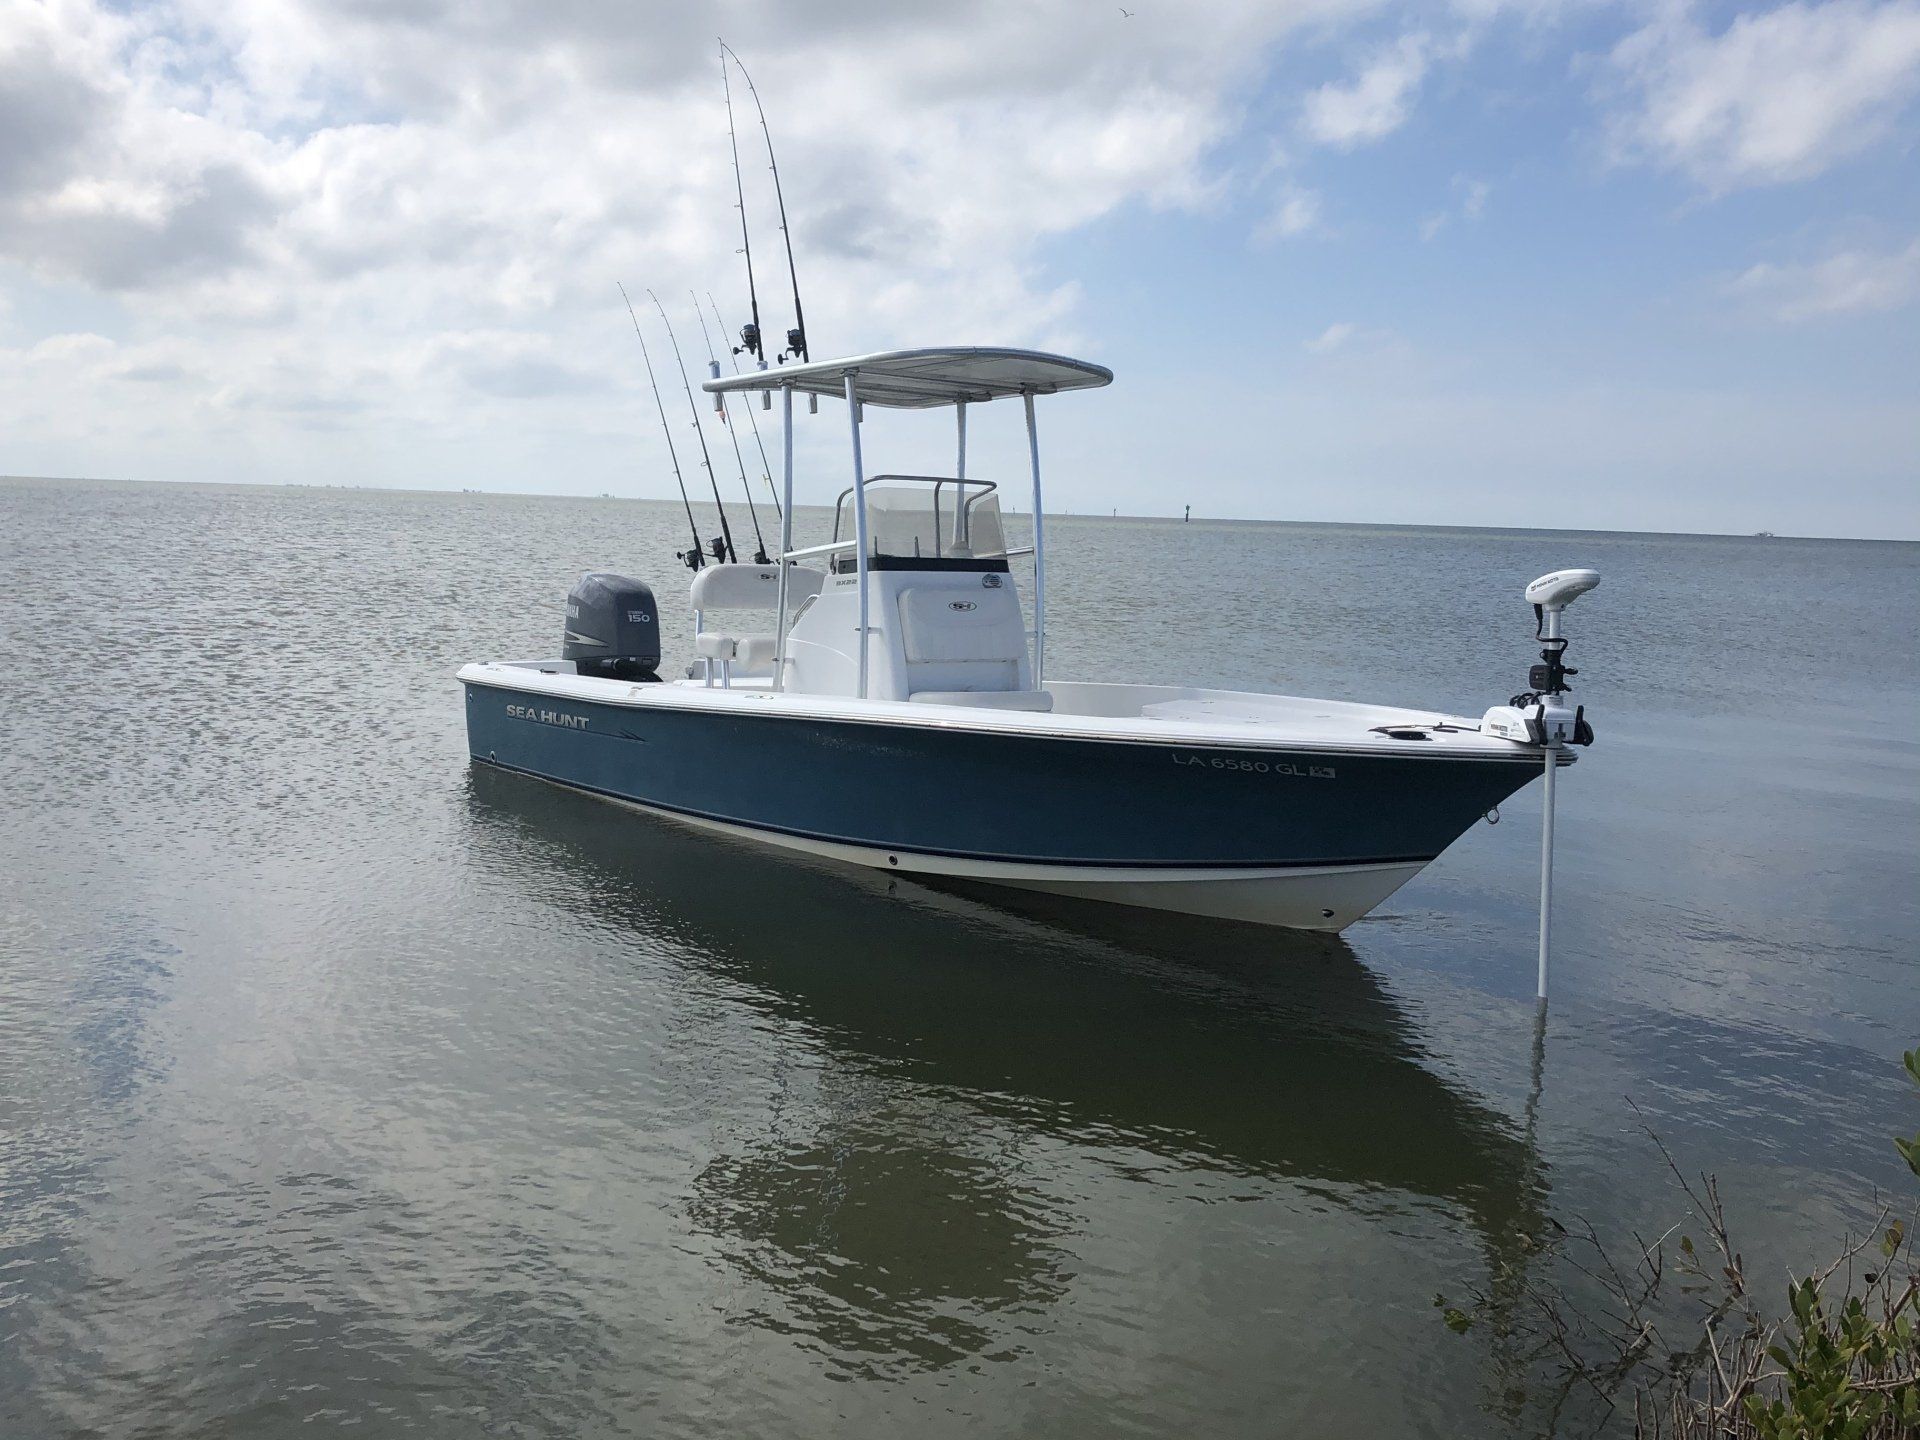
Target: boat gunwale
x: 660, y: 695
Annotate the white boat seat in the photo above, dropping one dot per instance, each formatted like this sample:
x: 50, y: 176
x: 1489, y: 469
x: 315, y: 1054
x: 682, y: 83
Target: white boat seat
x: 751, y: 587
x: 1039, y: 700
x: 744, y: 587
x: 748, y: 651
x: 754, y: 652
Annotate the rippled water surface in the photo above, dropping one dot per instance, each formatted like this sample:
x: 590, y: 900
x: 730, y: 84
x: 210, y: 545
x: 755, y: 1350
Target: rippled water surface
x: 342, y: 1083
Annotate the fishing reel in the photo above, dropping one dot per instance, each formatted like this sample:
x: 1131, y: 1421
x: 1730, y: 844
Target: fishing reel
x: 695, y: 558
x: 1537, y: 715
x: 796, y: 346
x: 749, y: 341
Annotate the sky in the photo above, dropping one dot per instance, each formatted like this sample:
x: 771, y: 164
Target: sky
x: 1619, y: 264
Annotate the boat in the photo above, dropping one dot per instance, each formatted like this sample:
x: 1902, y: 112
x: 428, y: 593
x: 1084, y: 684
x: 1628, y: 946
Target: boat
x: 899, y: 712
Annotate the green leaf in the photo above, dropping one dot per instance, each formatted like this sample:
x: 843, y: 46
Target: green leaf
x: 1909, y: 1151
x: 1457, y: 1320
x: 1896, y: 1232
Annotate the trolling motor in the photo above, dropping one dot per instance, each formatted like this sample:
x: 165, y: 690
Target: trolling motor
x: 1538, y: 716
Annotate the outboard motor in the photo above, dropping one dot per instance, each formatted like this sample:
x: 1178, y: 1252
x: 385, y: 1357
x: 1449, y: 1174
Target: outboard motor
x: 613, y: 629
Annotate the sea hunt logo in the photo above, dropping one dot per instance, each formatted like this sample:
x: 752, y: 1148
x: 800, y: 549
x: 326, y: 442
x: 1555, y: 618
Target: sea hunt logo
x: 1254, y: 767
x: 961, y: 605
x: 992, y: 582
x: 548, y: 717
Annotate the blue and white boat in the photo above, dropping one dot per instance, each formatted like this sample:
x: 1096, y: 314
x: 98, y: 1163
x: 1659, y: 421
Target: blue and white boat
x: 898, y: 712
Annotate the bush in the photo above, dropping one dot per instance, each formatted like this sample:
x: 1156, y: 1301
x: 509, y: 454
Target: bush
x: 1842, y: 1362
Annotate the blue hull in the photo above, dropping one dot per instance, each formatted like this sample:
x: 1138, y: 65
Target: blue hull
x: 962, y: 794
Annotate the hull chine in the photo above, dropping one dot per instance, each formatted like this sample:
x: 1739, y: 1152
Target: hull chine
x: 1296, y: 897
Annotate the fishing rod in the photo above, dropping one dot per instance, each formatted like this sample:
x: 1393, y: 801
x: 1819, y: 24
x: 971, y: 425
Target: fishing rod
x: 723, y: 548
x: 796, y: 337
x: 692, y: 557
x: 749, y: 334
x: 720, y: 404
x: 766, y: 466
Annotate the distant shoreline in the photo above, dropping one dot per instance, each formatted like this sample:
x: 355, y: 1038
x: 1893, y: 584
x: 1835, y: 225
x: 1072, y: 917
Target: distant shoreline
x: 106, y: 482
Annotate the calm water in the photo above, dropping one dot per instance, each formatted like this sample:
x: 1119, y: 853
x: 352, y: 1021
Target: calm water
x: 340, y: 1083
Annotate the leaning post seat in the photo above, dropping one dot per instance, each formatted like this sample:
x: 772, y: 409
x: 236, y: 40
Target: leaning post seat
x: 742, y: 587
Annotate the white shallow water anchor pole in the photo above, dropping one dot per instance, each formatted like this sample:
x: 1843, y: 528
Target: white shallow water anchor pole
x: 1550, y: 723
x: 1546, y: 838
x: 1546, y: 865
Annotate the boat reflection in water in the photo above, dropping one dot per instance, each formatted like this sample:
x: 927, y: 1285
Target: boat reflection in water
x: 953, y: 1080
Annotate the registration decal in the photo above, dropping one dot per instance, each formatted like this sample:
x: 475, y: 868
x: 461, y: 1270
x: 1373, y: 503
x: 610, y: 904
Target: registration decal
x: 1248, y: 766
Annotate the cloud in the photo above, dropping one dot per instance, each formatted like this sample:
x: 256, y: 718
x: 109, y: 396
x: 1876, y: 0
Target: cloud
x: 1851, y: 282
x: 1469, y: 204
x: 1348, y: 338
x: 1336, y: 335
x: 46, y: 112
x: 1774, y: 97
x: 316, y: 202
x: 1296, y: 213
x: 1375, y: 103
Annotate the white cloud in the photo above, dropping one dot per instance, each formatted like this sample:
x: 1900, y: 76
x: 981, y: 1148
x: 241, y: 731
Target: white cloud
x: 1349, y: 347
x: 1296, y: 213
x: 1334, y: 337
x: 1851, y: 282
x: 411, y: 211
x: 1346, y: 337
x: 1775, y: 96
x: 1469, y: 204
x: 1375, y: 103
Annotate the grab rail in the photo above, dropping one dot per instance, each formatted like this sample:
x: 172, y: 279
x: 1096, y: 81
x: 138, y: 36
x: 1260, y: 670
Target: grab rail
x: 826, y: 549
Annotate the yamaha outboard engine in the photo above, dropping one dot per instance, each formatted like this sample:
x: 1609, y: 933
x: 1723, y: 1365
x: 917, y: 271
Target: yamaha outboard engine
x: 613, y: 629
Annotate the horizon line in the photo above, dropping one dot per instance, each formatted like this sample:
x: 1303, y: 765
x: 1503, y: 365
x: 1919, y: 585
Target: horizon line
x: 1059, y: 514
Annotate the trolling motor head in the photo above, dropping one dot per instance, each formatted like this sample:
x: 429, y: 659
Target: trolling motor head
x: 1561, y: 588
x: 1537, y: 716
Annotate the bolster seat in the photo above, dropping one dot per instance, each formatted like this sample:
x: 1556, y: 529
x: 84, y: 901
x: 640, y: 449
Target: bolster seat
x: 754, y: 652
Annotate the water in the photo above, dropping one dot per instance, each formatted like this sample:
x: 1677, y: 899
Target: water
x: 340, y: 1083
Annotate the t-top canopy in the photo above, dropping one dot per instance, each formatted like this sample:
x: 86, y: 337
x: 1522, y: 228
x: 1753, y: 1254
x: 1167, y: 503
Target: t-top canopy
x: 921, y: 379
